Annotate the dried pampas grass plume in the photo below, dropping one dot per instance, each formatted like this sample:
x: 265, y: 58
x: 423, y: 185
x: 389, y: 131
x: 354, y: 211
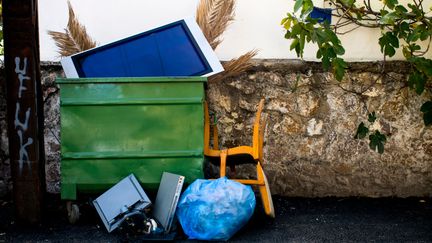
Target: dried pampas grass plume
x: 75, y: 39
x: 235, y: 67
x: 213, y: 17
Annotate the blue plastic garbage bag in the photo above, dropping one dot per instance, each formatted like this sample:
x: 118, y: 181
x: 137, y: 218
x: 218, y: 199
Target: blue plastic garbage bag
x: 215, y: 209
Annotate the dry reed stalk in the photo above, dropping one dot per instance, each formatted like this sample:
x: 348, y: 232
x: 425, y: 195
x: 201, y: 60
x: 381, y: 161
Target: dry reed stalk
x: 75, y: 39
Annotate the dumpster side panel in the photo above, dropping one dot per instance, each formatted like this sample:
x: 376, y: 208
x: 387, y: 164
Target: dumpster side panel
x: 97, y: 175
x: 112, y: 129
x: 134, y: 128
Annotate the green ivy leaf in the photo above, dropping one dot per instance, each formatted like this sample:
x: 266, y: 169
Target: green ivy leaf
x: 417, y: 81
x: 388, y: 43
x: 298, y: 4
x: 389, y: 18
x: 422, y: 64
x: 372, y: 117
x: 302, y: 40
x: 426, y: 108
x: 362, y: 131
x: 326, y: 61
x: 415, y: 10
x: 401, y: 9
x: 296, y: 45
x: 390, y: 3
x: 339, y: 50
x: 286, y: 22
x: 307, y: 8
x: 331, y: 36
x: 427, y: 118
x: 347, y: 3
x: 419, y: 32
x: 376, y: 141
x: 339, y: 66
x: 415, y: 47
x: 402, y: 29
x: 406, y: 52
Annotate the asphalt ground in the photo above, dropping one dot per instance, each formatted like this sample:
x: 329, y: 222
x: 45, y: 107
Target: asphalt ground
x: 297, y: 220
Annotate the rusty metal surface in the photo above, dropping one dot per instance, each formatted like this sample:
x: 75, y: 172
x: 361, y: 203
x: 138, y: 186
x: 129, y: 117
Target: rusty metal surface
x: 24, y: 107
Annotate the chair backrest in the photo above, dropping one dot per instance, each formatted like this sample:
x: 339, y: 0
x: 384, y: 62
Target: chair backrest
x: 206, y: 129
x: 257, y: 136
x: 209, y: 151
x: 258, y: 132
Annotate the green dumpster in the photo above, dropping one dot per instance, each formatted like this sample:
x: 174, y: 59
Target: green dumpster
x: 112, y: 127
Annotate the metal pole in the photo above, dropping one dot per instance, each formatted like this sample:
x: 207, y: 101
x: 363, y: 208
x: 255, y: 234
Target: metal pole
x: 24, y: 108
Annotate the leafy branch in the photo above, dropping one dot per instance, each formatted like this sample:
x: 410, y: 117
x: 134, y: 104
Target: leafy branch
x: 403, y: 26
x: 305, y: 29
x: 376, y: 138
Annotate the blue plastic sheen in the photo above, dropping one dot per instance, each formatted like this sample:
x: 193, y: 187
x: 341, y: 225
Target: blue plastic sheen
x: 215, y: 209
x: 321, y: 14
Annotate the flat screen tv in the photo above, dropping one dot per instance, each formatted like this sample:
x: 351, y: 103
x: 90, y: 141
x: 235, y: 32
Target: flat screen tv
x: 175, y: 49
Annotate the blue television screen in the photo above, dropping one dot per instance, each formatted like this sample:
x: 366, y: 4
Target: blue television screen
x: 169, y: 50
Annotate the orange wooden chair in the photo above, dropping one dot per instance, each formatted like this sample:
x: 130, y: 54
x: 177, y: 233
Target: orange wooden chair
x: 241, y: 155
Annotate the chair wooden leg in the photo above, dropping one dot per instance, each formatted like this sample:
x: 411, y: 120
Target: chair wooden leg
x: 265, y: 192
x: 223, y: 157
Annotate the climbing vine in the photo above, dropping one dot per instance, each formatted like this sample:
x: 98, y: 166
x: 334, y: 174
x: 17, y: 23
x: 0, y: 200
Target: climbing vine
x: 403, y: 26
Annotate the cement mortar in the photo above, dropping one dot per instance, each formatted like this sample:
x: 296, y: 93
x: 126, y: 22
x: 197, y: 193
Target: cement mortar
x: 310, y: 150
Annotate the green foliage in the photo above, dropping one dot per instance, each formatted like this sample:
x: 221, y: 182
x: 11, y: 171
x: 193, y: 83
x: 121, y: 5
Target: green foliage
x: 348, y: 3
x: 389, y: 43
x: 417, y: 81
x: 390, y: 3
x: 306, y: 7
x: 403, y: 26
x: 301, y: 32
x: 426, y: 108
x: 372, y: 117
x: 376, y: 139
x: 362, y: 131
x: 376, y: 142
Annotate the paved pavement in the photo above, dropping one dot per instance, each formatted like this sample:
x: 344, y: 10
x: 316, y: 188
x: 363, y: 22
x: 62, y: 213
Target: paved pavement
x: 297, y: 220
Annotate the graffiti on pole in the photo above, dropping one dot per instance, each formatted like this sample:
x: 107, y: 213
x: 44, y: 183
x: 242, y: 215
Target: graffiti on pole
x: 21, y: 127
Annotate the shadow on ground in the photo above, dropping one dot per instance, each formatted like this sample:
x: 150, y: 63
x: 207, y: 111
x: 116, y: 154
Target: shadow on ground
x: 297, y: 220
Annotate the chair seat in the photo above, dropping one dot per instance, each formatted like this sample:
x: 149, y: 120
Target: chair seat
x: 235, y: 156
x: 236, y: 159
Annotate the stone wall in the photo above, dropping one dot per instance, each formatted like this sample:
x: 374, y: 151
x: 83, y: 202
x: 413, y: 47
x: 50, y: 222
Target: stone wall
x: 309, y: 146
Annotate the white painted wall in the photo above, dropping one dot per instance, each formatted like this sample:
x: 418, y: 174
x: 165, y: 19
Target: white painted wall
x: 256, y: 26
